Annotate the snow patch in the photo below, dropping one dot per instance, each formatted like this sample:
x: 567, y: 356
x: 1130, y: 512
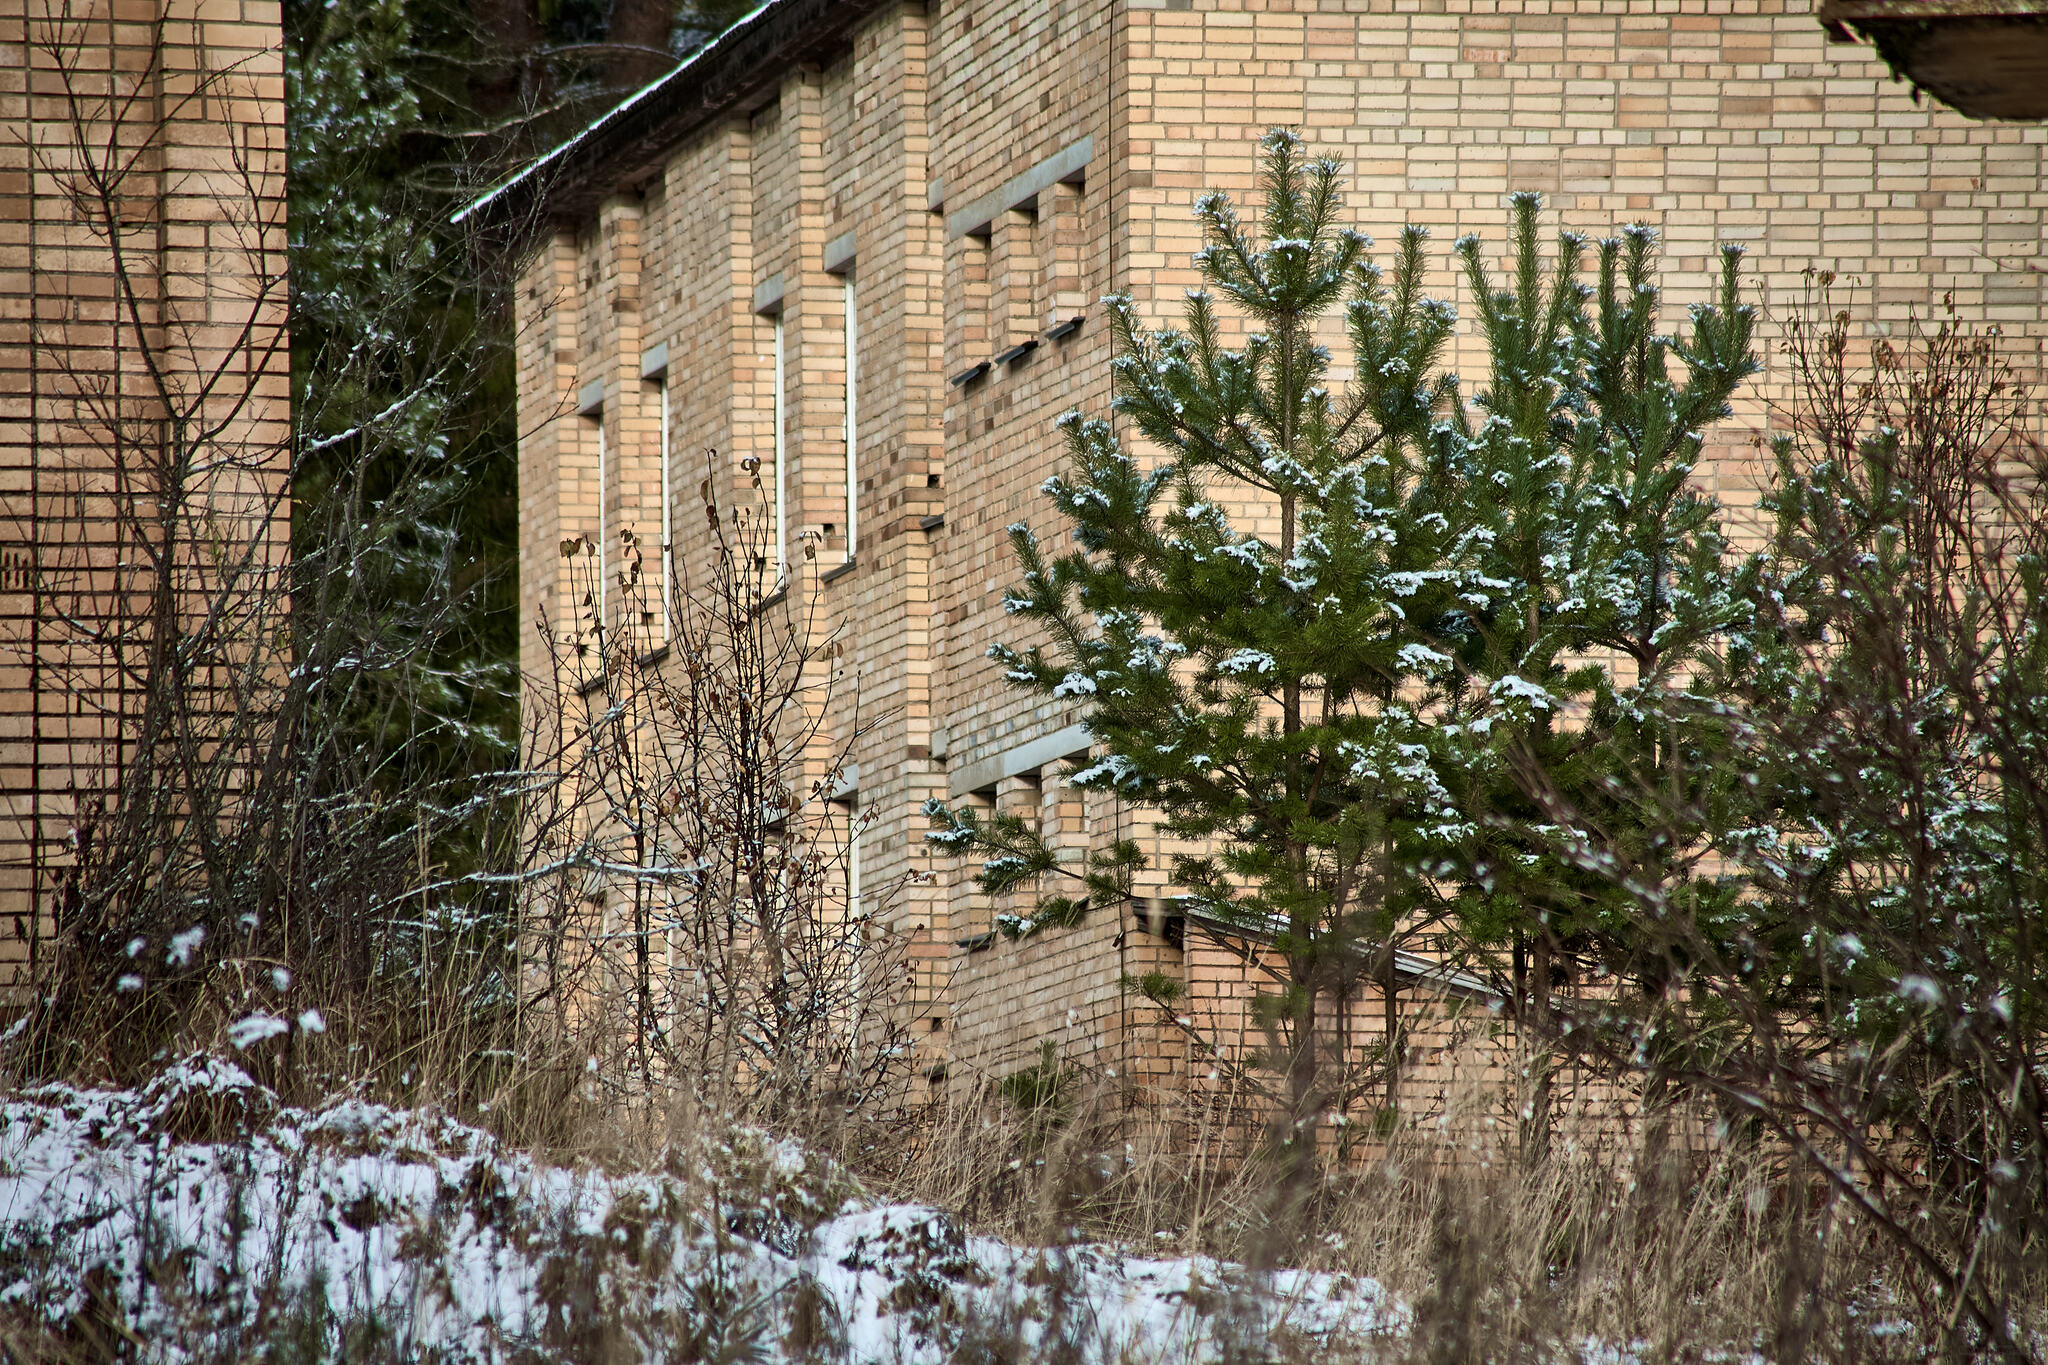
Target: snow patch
x: 200, y: 1213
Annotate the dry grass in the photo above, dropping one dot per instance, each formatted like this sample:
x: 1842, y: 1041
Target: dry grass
x: 1668, y: 1255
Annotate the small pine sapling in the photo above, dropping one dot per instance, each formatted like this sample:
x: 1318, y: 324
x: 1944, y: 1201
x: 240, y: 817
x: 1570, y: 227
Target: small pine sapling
x: 1359, y: 719
x: 1262, y: 691
x: 1595, y: 586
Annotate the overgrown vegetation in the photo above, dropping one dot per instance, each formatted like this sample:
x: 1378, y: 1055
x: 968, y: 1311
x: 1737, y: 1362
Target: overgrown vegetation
x: 1752, y: 831
x: 692, y: 917
x: 1339, y: 713
x: 1850, y: 960
x: 1747, y: 830
x: 320, y: 802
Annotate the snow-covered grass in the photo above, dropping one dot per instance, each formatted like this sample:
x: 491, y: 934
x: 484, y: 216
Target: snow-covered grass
x: 199, y: 1219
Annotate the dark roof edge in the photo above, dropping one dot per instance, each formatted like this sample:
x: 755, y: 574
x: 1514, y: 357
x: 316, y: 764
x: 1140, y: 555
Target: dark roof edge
x: 628, y: 142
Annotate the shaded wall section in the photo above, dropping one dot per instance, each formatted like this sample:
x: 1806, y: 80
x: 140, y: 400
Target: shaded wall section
x: 144, y: 379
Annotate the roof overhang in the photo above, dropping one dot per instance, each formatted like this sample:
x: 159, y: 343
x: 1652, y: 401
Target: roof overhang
x: 626, y: 146
x: 1984, y: 58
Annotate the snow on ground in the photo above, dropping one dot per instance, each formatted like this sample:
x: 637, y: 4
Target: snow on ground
x: 200, y: 1216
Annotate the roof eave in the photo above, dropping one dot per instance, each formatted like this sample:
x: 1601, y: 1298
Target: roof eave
x: 625, y: 146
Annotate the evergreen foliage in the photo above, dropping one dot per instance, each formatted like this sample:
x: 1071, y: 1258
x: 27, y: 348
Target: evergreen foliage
x: 1596, y: 588
x: 1321, y: 629
x: 404, y: 497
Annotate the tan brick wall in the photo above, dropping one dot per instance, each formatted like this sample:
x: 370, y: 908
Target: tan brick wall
x: 182, y: 103
x: 1712, y: 120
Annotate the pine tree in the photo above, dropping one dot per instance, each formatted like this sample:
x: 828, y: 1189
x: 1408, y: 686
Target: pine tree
x: 1589, y: 542
x: 1864, y: 759
x: 1339, y: 713
x: 1259, y: 692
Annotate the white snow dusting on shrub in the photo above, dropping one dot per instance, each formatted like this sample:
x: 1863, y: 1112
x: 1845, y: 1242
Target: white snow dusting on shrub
x: 252, y: 1029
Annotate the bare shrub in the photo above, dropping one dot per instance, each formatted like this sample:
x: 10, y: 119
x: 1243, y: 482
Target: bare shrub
x: 693, y: 923
x: 248, y: 582
x: 159, y: 522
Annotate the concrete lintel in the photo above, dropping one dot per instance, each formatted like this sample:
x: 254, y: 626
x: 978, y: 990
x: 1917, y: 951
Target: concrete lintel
x: 1413, y: 967
x: 654, y: 362
x: 1027, y: 757
x: 839, y: 253
x: 1062, y: 167
x: 768, y: 295
x: 590, y: 399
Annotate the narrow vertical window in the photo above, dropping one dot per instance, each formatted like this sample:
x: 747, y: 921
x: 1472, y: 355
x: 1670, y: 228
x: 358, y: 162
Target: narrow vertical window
x: 604, y: 545
x: 654, y: 373
x: 668, y: 495
x: 590, y: 412
x: 853, y: 828
x: 781, y: 462
x: 852, y: 424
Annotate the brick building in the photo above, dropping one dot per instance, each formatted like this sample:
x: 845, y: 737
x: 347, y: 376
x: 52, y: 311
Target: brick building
x: 859, y: 245
x: 144, y: 383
